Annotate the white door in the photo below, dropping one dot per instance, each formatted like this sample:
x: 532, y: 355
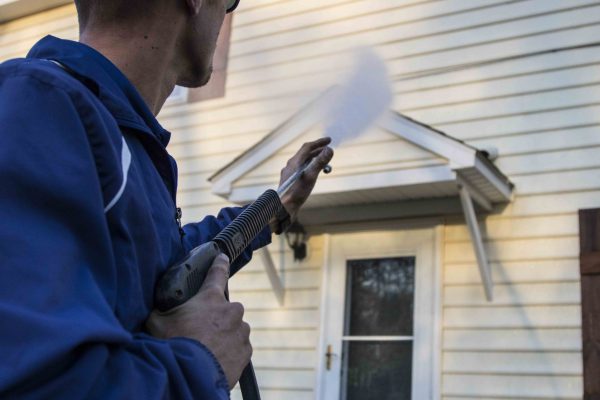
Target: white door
x: 380, y: 316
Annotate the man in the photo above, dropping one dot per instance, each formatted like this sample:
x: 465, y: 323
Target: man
x: 88, y: 218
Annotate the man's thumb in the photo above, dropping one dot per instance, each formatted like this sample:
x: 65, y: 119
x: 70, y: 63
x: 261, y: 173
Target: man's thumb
x: 218, y: 274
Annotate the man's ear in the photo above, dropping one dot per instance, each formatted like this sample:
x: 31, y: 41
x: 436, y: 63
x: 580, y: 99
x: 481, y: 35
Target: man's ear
x: 194, y: 6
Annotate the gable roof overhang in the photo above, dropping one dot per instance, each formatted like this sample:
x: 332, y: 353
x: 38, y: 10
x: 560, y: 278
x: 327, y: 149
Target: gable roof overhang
x: 457, y: 164
x: 458, y: 179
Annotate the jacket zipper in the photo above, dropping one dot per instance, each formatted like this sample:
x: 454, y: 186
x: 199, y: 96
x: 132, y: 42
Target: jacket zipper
x: 178, y: 215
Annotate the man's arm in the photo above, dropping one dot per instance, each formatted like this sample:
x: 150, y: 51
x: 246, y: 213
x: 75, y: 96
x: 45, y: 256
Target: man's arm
x: 209, y: 227
x: 197, y: 233
x: 60, y: 336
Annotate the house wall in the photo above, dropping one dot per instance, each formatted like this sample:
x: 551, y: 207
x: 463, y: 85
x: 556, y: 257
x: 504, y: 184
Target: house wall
x: 542, y: 113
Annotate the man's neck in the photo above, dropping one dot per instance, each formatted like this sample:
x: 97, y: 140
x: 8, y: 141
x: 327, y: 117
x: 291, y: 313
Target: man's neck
x: 145, y: 57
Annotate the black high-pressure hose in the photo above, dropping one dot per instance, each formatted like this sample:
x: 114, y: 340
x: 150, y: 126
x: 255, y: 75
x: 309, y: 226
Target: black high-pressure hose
x: 183, y: 280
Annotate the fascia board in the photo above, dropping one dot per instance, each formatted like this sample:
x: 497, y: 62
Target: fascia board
x: 457, y: 154
x: 254, y: 157
x: 290, y: 130
x: 223, y: 182
x: 13, y: 9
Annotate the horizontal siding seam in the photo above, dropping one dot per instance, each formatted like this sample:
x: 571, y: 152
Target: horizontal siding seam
x: 497, y: 239
x: 512, y: 284
x: 380, y: 27
x: 65, y: 23
x: 171, y: 112
x: 520, y: 374
x: 517, y: 114
x: 508, y: 305
x: 522, y: 327
x: 516, y: 329
x: 503, y: 96
x: 409, y: 22
x: 509, y: 350
x: 434, y: 123
x: 535, y: 131
x: 516, y: 260
x: 453, y: 222
x: 449, y: 68
x: 555, y: 171
x: 29, y: 21
x: 233, y: 72
x: 549, y: 151
x: 459, y: 83
x: 278, y: 17
x: 554, y: 192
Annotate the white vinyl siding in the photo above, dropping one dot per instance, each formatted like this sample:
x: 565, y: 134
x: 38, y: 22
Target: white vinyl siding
x: 542, y: 113
x: 285, y: 338
x: 17, y: 37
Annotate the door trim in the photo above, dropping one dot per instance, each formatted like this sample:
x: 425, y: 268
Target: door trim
x: 437, y: 233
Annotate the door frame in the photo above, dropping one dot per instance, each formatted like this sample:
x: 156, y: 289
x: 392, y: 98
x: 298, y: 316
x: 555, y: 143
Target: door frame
x: 435, y: 236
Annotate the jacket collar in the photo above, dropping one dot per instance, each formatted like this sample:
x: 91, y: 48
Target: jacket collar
x: 115, y: 91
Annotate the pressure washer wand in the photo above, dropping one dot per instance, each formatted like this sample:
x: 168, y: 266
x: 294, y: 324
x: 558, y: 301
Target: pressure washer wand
x: 289, y: 182
x: 183, y: 280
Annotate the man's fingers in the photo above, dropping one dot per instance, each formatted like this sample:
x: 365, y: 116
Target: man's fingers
x: 322, y: 142
x: 218, y: 274
x: 321, y: 160
x: 308, y: 148
x: 308, y: 157
x: 315, y: 153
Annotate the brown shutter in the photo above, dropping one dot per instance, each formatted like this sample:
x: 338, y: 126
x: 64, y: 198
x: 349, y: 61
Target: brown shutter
x: 216, y: 86
x: 589, y: 238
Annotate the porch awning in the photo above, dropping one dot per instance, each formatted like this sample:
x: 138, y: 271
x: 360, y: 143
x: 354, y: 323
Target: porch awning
x: 400, y: 168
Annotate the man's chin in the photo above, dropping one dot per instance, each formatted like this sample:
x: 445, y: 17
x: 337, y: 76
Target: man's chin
x: 195, y: 82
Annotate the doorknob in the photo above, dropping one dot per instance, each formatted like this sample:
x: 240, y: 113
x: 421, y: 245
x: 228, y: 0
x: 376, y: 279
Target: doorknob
x: 328, y: 356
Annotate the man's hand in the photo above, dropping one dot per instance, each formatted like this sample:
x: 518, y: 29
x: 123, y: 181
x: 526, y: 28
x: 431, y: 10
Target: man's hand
x: 210, y: 319
x: 299, y: 192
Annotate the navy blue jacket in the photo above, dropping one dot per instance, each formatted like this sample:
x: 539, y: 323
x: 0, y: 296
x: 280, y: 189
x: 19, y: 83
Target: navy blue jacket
x: 87, y: 225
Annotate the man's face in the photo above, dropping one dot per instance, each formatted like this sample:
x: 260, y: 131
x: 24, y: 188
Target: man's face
x: 198, y: 43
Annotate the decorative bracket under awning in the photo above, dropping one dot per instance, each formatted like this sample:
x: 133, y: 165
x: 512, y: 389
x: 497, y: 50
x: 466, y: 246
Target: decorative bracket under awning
x: 475, y: 234
x: 274, y: 278
x: 399, y: 169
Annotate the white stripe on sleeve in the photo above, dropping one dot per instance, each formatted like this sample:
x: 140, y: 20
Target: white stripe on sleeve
x: 125, y: 163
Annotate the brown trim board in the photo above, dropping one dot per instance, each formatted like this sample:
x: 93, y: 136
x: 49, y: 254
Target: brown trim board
x: 589, y: 243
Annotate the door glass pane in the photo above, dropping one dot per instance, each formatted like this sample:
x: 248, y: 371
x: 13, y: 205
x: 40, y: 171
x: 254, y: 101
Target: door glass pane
x: 377, y: 370
x: 379, y: 297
